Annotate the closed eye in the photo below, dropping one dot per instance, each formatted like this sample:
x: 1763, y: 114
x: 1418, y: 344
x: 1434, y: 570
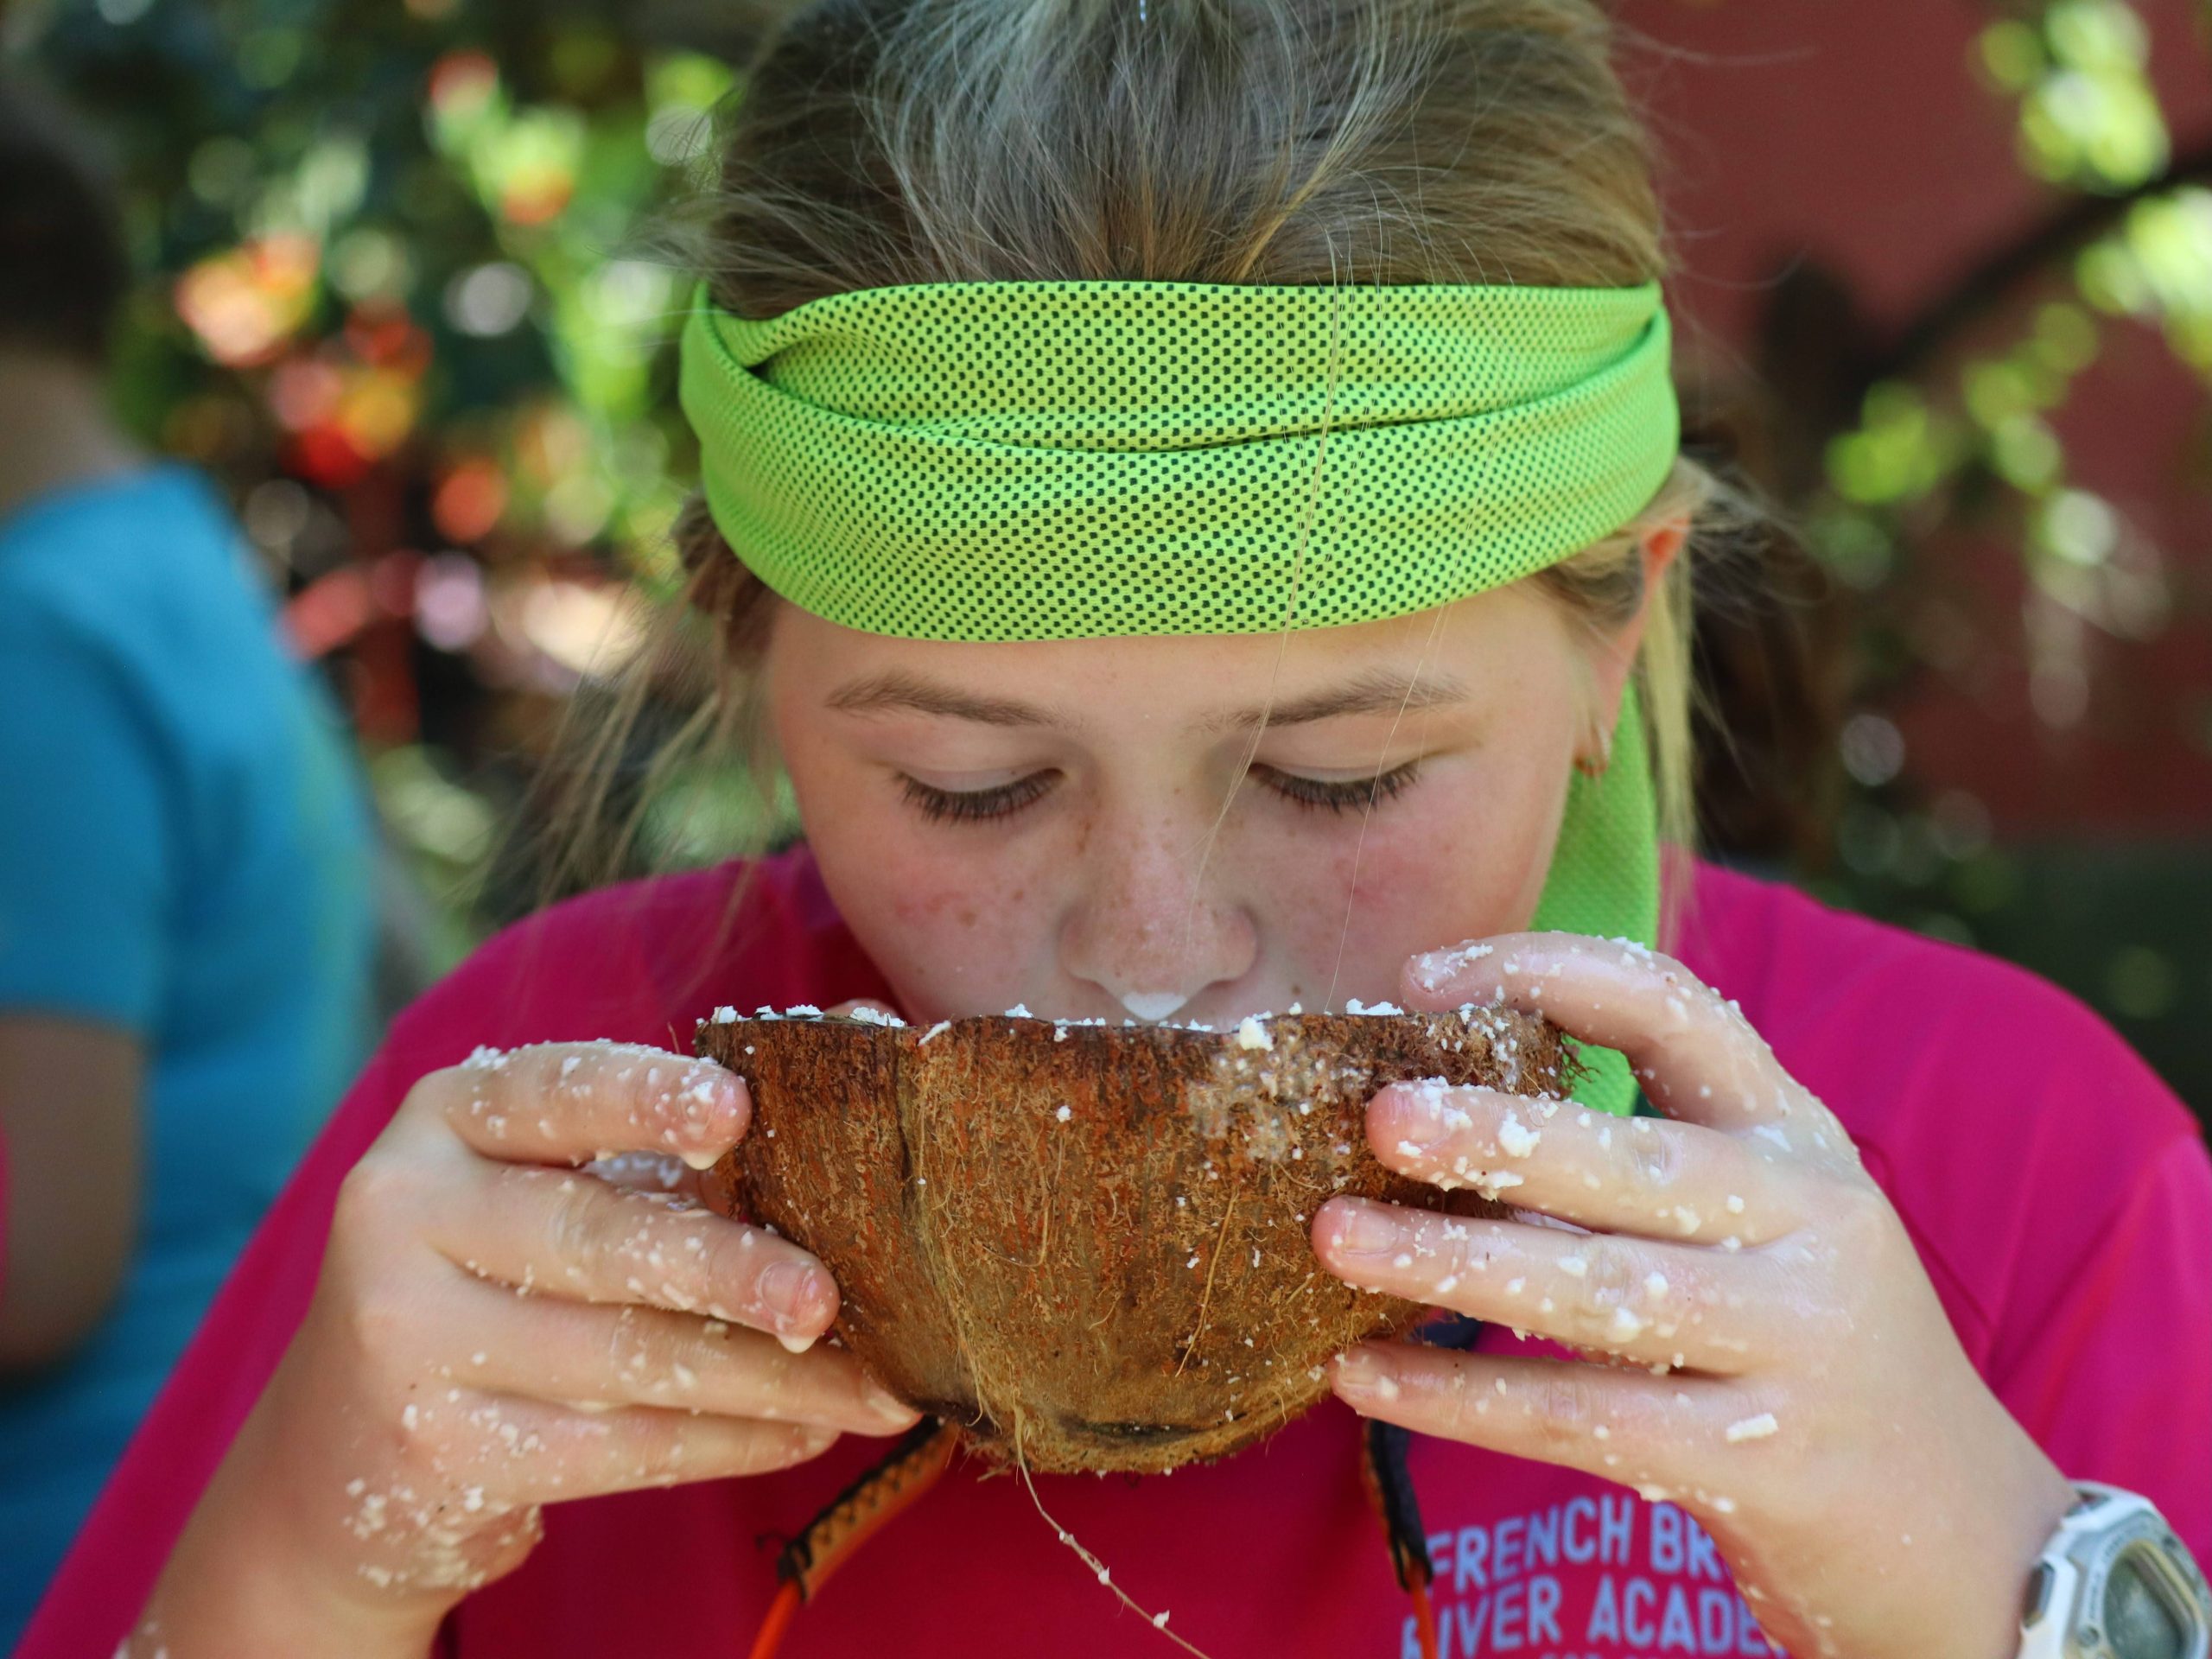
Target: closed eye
x: 976, y: 806
x: 1004, y: 800
x: 1357, y: 793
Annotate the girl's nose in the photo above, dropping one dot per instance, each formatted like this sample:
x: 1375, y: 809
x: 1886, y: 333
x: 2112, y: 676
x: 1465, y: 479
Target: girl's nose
x: 1146, y: 931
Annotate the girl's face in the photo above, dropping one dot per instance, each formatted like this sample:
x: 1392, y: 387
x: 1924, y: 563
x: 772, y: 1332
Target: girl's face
x: 1072, y: 825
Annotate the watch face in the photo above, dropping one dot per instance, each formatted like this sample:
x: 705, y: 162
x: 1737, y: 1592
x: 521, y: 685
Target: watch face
x: 2139, y: 1622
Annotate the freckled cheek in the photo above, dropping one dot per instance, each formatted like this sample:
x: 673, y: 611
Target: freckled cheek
x: 1423, y: 882
x: 946, y: 911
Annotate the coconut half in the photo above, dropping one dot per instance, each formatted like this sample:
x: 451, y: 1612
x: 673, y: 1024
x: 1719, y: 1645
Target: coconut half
x: 1087, y: 1245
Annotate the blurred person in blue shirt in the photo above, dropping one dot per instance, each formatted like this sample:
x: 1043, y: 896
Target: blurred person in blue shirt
x: 186, y: 916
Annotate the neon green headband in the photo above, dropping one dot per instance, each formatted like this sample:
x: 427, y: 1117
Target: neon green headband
x: 1065, y: 460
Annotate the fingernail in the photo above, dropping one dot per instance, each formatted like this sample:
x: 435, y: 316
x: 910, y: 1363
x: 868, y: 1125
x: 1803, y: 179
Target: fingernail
x: 1364, y: 1229
x: 794, y: 1345
x: 793, y: 1291
x: 1423, y: 1116
x: 1359, y: 1373
x: 702, y: 1158
x: 1434, y: 968
x: 887, y: 1405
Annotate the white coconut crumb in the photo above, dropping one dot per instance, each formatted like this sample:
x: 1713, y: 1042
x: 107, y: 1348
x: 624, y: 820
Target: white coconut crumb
x: 1020, y: 1011
x: 1159, y: 1620
x: 1513, y: 1286
x: 1063, y: 1112
x: 1626, y: 1326
x: 1354, y: 1006
x: 1447, y: 1284
x: 1516, y: 1139
x: 1686, y: 1218
x: 1192, y: 1262
x: 1573, y: 1266
x: 1251, y: 1034
x: 877, y: 1017
x: 724, y: 1015
x: 1752, y: 1428
x: 941, y: 1026
x: 1655, y: 1282
x: 1735, y: 1204
x: 1724, y: 1505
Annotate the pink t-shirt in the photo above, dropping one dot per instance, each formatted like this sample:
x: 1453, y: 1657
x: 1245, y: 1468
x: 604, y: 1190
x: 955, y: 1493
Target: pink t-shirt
x: 2059, y: 1195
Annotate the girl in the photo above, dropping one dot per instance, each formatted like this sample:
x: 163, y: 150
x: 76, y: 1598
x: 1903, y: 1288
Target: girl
x: 1190, y: 492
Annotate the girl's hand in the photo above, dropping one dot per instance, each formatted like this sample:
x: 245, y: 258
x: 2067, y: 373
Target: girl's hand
x: 1778, y: 1363
x: 495, y: 1329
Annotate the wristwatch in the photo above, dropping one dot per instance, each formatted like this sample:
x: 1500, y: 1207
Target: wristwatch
x: 2114, y: 1583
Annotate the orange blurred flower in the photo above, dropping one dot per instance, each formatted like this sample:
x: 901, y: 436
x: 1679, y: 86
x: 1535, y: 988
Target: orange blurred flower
x: 244, y: 303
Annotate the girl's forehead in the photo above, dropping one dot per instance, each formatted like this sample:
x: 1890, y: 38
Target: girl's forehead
x: 1450, y: 654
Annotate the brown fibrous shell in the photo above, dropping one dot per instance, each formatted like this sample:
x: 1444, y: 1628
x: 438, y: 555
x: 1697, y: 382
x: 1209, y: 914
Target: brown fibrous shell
x: 1087, y: 1245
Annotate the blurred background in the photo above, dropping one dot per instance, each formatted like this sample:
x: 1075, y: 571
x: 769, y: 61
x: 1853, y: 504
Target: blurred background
x: 1945, y: 294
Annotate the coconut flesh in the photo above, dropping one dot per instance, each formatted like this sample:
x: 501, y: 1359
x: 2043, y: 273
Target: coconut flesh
x: 1087, y: 1246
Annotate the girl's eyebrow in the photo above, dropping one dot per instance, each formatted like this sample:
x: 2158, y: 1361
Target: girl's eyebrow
x: 1379, y: 691
x: 913, y: 694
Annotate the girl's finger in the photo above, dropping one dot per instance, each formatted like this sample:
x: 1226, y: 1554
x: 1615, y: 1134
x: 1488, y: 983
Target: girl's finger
x: 1672, y: 1305
x: 504, y: 1450
x: 569, y: 1235
x: 575, y: 1354
x: 570, y: 1102
x: 650, y: 1172
x: 1700, y: 1443
x: 1695, y: 1053
x: 1644, y: 1175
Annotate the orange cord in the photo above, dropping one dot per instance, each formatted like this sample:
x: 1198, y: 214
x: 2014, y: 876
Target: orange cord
x: 1424, y: 1622
x: 781, y: 1612
x: 854, y: 1516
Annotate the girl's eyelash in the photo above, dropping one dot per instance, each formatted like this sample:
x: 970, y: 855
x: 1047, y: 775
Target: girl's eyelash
x: 974, y: 806
x: 1358, y: 794
x: 1003, y: 800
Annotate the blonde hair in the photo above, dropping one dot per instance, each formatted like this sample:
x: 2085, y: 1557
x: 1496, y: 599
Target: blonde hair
x: 880, y: 141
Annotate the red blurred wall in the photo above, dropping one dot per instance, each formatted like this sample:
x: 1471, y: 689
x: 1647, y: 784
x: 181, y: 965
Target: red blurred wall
x: 1858, y: 135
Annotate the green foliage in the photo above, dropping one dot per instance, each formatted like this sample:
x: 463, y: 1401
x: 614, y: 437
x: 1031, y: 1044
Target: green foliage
x: 397, y: 254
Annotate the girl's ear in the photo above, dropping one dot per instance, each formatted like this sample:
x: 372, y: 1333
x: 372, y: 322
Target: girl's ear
x: 1660, y: 544
x: 1614, y: 652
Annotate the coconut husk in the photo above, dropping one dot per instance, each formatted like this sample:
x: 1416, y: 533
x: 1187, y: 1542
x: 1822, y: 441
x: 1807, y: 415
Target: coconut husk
x: 1089, y: 1245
